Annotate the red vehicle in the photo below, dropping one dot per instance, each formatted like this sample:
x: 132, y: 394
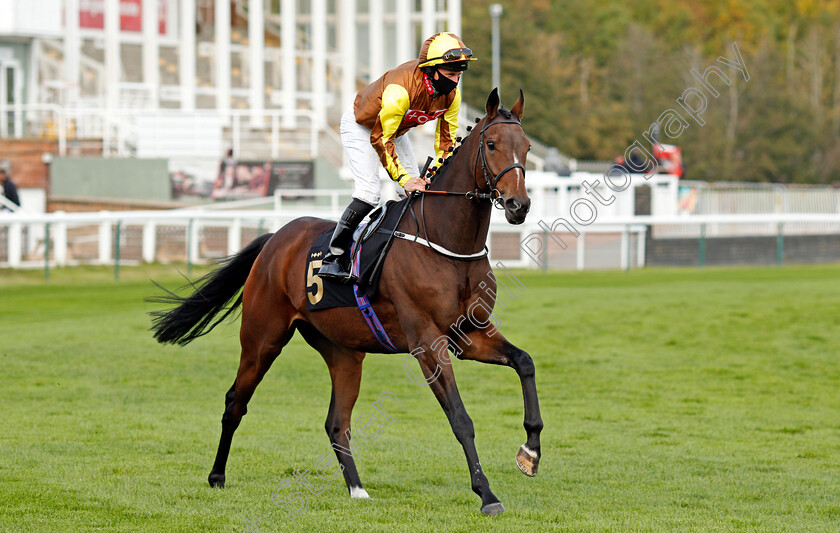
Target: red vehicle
x: 669, y: 157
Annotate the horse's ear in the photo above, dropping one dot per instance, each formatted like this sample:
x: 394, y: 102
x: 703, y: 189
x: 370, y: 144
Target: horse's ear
x: 519, y: 106
x: 493, y: 103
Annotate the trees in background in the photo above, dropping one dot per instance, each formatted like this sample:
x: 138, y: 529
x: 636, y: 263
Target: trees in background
x: 597, y: 73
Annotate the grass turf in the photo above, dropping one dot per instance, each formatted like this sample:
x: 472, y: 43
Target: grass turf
x: 696, y: 400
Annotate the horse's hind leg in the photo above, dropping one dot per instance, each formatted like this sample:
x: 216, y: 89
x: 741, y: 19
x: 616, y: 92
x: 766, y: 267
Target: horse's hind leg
x: 346, y: 374
x: 262, y: 338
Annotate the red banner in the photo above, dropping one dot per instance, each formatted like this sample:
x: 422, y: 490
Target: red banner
x: 92, y: 15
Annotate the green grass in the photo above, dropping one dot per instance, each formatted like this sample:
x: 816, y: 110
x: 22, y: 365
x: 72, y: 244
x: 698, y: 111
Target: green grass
x: 673, y: 400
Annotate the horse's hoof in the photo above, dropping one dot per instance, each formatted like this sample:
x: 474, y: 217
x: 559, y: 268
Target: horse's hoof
x: 217, y: 480
x: 527, y: 461
x: 493, y: 508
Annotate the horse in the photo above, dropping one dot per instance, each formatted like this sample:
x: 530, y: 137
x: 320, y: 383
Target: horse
x: 425, y: 315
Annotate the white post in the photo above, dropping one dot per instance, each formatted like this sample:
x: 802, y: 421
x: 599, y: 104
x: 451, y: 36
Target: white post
x: 60, y: 242
x: 429, y: 25
x: 313, y: 138
x: 235, y: 236
x: 625, y: 247
x: 495, y: 15
x: 106, y: 138
x: 4, y: 123
x: 17, y: 106
x: 237, y: 128
x: 112, y: 54
x: 453, y: 17
x: 319, y: 61
x: 376, y: 32
x: 223, y: 58
x: 403, y: 31
x: 33, y: 92
x: 256, y: 58
x: 640, y: 250
x: 275, y: 136
x: 62, y: 132
x: 288, y: 17
x: 72, y: 49
x: 149, y: 241
x: 151, y: 53
x: 15, y: 244
x: 348, y: 51
x: 581, y: 249
x: 193, y: 241
x: 187, y: 55
x: 104, y: 241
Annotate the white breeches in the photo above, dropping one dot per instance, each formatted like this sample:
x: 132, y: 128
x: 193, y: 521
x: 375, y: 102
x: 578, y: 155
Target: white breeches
x: 364, y: 161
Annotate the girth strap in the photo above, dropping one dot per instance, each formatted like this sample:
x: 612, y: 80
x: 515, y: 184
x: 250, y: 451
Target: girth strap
x: 370, y: 315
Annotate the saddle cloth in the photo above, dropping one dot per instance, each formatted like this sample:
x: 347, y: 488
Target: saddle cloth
x: 373, y: 237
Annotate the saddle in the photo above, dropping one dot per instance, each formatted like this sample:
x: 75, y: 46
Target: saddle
x: 371, y: 243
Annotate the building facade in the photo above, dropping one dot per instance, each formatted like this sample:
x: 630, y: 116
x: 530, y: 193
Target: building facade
x: 145, y: 74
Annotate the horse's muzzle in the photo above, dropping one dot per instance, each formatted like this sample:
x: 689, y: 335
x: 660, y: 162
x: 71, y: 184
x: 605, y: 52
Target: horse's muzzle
x: 516, y: 210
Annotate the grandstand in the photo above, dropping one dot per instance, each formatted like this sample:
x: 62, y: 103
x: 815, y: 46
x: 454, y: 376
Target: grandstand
x: 193, y: 79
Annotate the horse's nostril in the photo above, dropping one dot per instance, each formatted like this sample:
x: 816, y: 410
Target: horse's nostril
x: 518, y: 206
x: 512, y: 204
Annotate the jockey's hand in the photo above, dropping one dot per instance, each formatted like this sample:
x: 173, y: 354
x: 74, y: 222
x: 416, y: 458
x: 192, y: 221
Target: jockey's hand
x: 415, y: 184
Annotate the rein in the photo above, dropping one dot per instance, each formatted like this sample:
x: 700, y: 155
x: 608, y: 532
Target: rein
x: 469, y: 195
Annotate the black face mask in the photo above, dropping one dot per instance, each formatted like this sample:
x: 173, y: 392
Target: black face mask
x: 443, y: 85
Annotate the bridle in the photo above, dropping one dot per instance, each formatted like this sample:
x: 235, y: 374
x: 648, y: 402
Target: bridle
x: 493, y: 195
x: 491, y: 179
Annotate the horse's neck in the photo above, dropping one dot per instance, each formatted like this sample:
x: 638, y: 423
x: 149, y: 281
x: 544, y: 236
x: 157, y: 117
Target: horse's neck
x: 455, y: 222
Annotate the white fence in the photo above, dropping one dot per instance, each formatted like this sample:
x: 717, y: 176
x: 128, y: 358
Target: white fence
x: 198, y: 236
x: 702, y: 198
x: 741, y: 198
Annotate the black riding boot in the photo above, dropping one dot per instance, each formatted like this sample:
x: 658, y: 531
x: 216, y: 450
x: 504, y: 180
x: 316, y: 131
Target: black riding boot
x: 336, y: 264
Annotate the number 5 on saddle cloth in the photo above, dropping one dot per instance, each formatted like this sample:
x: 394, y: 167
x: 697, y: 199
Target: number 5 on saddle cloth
x: 371, y: 243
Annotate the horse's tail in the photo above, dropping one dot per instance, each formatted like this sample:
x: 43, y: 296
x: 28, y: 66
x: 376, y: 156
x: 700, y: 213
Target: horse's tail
x: 194, y: 315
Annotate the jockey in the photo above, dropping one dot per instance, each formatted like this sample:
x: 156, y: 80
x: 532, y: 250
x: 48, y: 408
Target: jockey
x: 372, y: 132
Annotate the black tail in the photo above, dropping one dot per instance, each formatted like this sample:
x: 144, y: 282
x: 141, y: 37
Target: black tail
x: 194, y: 314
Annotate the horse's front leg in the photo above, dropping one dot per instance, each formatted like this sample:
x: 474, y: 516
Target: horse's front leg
x: 441, y: 380
x: 489, y: 346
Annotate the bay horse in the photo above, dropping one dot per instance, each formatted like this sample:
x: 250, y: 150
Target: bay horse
x: 422, y: 293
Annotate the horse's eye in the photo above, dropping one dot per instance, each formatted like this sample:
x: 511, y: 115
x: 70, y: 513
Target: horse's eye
x: 491, y: 145
x: 529, y: 147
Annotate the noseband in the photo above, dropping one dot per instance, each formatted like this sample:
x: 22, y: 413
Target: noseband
x: 491, y: 179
